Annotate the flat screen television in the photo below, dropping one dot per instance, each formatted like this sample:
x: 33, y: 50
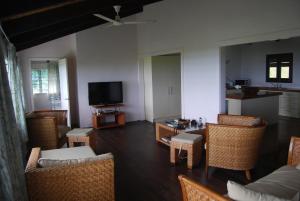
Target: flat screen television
x: 105, y: 93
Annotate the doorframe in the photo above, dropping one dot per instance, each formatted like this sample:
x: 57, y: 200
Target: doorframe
x: 141, y: 80
x: 252, y: 38
x: 30, y: 72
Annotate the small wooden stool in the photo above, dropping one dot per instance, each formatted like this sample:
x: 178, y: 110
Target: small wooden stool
x: 79, y: 135
x: 192, y: 143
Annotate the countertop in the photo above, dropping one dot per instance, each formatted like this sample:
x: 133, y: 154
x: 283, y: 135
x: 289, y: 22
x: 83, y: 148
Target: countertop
x: 279, y: 89
x: 241, y: 96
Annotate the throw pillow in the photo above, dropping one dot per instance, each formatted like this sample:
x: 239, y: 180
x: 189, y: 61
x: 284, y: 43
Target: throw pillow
x: 44, y: 162
x: 240, y: 193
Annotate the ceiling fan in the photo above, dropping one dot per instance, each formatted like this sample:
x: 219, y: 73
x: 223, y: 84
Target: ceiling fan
x: 118, y: 21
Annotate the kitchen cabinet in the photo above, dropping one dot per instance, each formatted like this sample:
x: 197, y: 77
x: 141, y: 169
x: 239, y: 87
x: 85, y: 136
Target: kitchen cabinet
x: 289, y: 104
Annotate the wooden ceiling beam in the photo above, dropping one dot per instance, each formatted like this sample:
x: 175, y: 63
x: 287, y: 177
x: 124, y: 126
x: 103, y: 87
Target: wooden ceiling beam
x: 38, y: 21
x: 46, y: 34
x: 40, y: 10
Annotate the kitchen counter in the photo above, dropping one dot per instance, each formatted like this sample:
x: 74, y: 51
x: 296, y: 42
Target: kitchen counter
x: 264, y: 104
x: 279, y: 89
x: 241, y: 96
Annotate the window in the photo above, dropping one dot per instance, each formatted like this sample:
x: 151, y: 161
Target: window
x: 279, y: 68
x: 39, y: 80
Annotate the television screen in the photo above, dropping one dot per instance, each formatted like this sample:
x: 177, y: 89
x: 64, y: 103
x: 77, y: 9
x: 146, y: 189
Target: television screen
x: 103, y: 93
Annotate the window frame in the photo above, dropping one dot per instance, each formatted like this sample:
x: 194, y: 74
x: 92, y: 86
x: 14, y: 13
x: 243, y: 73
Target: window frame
x: 279, y: 58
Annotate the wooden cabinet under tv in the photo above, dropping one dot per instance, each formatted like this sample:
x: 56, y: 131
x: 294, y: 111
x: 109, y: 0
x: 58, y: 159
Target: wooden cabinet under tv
x: 99, y: 117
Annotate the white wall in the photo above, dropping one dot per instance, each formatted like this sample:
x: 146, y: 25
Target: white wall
x: 233, y: 56
x: 108, y: 54
x: 64, y: 47
x: 253, y: 63
x: 199, y: 27
x: 195, y: 27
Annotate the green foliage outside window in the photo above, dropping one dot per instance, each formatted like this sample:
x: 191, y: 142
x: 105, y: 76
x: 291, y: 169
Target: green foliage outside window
x: 39, y: 79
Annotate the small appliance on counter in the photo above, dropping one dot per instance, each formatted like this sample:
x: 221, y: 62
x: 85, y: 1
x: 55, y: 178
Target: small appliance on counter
x: 238, y: 84
x: 242, y: 82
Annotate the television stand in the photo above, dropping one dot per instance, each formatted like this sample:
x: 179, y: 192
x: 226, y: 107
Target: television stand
x: 100, y: 116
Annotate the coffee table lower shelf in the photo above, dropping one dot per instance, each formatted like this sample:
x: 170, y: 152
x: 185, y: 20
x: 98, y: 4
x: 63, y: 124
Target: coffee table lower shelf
x: 163, y: 130
x: 99, y: 120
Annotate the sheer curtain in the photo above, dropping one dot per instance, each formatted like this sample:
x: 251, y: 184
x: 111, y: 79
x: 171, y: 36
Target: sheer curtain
x: 16, y: 88
x: 12, y: 126
x: 53, y: 85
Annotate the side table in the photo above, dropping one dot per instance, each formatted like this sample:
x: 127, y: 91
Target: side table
x: 79, y: 135
x: 191, y: 143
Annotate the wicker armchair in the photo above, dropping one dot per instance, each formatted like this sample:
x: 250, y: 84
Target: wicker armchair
x: 193, y: 191
x: 47, y: 128
x: 88, y: 181
x: 234, y: 142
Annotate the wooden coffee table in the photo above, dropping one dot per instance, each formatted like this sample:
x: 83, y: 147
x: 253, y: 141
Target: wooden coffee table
x: 163, y: 130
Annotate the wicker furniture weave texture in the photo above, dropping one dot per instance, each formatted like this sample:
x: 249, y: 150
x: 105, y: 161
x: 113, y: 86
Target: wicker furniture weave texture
x: 193, y: 191
x: 233, y: 147
x: 89, y: 181
x: 294, y: 151
x: 44, y: 128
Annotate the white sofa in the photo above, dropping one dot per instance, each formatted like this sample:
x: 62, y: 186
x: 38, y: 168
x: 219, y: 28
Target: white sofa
x: 281, y: 185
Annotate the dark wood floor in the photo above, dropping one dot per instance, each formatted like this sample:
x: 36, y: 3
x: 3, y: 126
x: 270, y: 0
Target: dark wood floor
x: 143, y: 171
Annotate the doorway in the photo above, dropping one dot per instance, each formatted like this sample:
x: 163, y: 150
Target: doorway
x: 162, y: 86
x: 50, y: 88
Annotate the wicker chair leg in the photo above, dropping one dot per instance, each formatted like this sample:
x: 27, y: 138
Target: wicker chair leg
x: 206, y: 171
x: 248, y: 175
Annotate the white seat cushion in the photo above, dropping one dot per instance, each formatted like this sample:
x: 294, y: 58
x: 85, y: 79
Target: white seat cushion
x: 240, y: 193
x: 187, y: 138
x: 283, y: 182
x: 44, y: 162
x: 79, y: 132
x: 68, y: 153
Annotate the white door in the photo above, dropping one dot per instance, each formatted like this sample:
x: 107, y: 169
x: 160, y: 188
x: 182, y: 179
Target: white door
x: 64, y: 87
x: 166, y: 72
x: 174, y: 77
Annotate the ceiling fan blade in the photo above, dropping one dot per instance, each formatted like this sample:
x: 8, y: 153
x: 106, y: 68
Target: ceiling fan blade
x: 107, y: 19
x: 139, y: 22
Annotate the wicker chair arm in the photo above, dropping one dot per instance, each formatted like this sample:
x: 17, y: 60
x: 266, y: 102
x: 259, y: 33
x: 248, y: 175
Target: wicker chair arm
x: 40, y: 117
x: 242, y: 120
x: 33, y: 159
x: 193, y: 191
x: 294, y: 151
x: 61, y: 115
